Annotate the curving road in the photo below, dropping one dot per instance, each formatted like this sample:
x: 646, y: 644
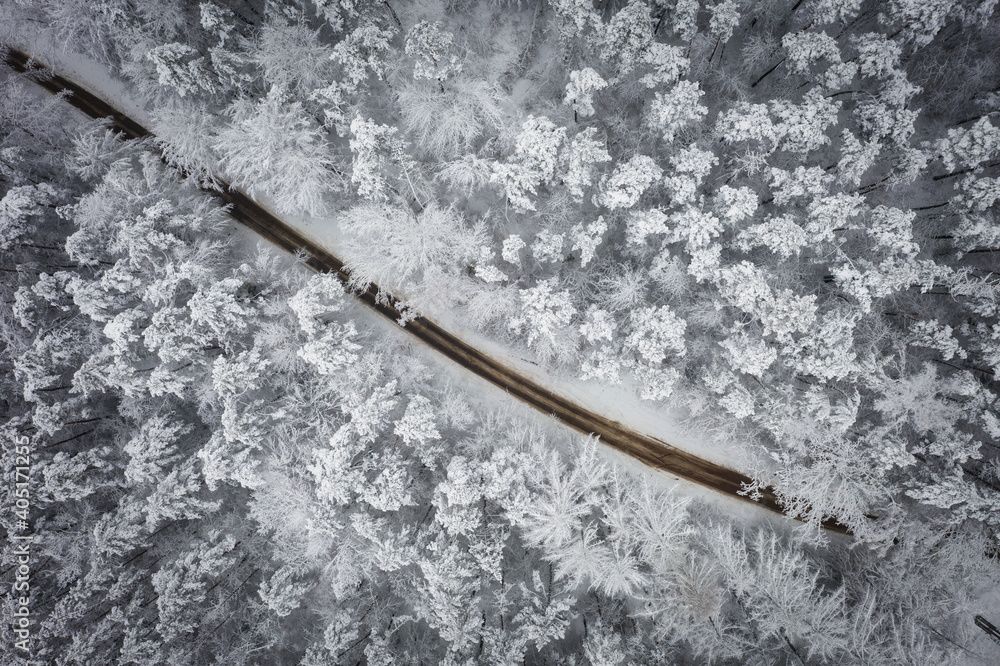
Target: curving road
x: 649, y: 450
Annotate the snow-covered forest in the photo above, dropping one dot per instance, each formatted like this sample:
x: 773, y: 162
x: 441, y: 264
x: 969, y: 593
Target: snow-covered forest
x: 771, y: 225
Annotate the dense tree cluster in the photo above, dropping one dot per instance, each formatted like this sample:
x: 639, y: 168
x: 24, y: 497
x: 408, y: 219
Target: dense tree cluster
x: 776, y: 220
x: 228, y: 465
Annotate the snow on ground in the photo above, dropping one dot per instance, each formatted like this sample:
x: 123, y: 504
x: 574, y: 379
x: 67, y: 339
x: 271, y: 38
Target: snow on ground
x: 617, y: 403
x: 91, y: 74
x: 609, y: 402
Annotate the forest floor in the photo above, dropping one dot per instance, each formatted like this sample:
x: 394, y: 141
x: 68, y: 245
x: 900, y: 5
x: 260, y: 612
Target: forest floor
x: 649, y: 450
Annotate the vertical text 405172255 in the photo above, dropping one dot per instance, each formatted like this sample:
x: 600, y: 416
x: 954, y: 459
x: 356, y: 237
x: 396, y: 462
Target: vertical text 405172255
x: 21, y: 588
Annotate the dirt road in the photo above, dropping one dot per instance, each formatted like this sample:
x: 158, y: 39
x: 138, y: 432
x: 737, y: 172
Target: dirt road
x: 649, y: 450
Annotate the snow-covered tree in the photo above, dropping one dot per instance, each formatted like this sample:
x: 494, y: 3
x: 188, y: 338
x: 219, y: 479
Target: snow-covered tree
x: 486, y: 269
x: 272, y: 147
x: 626, y: 184
x: 547, y: 247
x: 580, y: 91
x: 735, y: 204
x: 747, y: 122
x: 533, y: 163
x: 877, y: 55
x: 640, y: 225
x: 674, y: 110
x: 418, y: 428
x: 281, y: 592
x: 695, y: 227
x: 655, y: 332
x: 545, y: 312
x: 780, y: 596
x: 725, y: 18
x: 180, y: 71
x: 587, y: 238
x: 429, y: 45
x: 18, y: 207
x: 390, y: 245
x: 374, y: 148
x: 181, y: 586
x: 331, y: 344
x: 627, y: 36
x: 967, y: 147
x: 804, y: 49
x: 361, y: 50
x: 581, y: 157
x: 154, y: 449
x: 919, y: 21
x: 512, y: 246
x: 691, y: 166
x: 748, y: 354
x: 575, y: 16
x: 177, y: 496
x: 781, y: 235
x: 802, y: 126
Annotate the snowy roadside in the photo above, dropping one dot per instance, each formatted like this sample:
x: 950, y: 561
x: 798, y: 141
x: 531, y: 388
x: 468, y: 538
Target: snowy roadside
x: 617, y: 403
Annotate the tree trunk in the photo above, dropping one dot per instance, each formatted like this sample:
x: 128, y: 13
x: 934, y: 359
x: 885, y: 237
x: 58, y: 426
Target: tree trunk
x: 765, y: 74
